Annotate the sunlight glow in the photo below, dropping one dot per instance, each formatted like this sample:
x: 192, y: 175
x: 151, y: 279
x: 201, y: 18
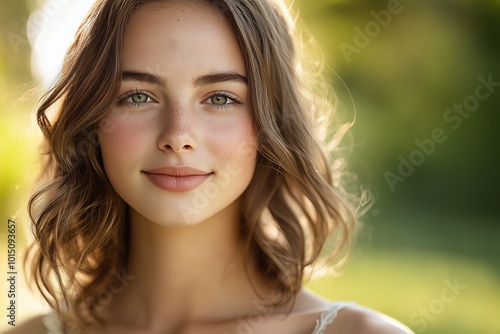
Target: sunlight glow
x: 51, y: 30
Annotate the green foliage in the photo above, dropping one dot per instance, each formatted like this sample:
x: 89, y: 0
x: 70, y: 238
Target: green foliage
x: 16, y: 142
x: 416, y: 65
x: 409, y: 286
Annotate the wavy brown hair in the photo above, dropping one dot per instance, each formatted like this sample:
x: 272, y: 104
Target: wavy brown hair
x: 292, y: 206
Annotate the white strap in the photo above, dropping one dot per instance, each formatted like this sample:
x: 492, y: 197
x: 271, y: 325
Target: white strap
x: 328, y: 316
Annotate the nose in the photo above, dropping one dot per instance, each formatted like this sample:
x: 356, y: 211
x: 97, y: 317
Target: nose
x: 177, y: 134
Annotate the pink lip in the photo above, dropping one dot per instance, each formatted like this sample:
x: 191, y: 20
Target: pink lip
x: 177, y: 179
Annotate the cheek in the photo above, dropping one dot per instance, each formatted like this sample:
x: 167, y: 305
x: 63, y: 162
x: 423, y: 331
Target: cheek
x: 235, y: 139
x: 120, y: 141
x: 236, y: 149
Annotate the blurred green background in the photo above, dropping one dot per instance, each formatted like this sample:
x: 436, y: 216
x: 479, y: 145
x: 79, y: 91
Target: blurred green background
x: 429, y: 254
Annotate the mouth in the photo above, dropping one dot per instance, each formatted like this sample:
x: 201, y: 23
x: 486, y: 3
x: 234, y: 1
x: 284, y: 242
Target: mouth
x: 177, y: 179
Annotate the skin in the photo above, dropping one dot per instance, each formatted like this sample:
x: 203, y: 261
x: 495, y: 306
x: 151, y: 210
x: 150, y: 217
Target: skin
x: 188, y: 268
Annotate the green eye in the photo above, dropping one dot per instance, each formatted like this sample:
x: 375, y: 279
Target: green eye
x: 139, y: 98
x: 222, y: 100
x: 135, y: 98
x: 219, y: 99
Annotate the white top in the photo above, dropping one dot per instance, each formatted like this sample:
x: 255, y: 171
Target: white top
x: 54, y: 325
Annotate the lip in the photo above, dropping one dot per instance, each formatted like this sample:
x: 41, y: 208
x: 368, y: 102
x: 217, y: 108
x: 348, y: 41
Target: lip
x: 177, y: 178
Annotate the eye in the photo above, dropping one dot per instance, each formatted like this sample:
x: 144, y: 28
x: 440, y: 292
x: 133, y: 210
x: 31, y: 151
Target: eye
x: 134, y: 98
x: 222, y: 100
x: 139, y: 98
x: 219, y: 99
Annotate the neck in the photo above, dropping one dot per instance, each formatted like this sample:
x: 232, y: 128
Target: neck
x: 186, y: 274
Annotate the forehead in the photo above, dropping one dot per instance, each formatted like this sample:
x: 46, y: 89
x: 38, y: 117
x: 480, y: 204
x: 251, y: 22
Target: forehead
x: 180, y: 32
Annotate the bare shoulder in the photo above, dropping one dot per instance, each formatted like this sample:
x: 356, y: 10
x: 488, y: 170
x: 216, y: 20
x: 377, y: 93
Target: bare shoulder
x: 362, y: 320
x: 33, y: 326
x: 353, y: 319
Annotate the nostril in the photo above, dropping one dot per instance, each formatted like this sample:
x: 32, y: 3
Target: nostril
x: 185, y: 147
x: 177, y: 139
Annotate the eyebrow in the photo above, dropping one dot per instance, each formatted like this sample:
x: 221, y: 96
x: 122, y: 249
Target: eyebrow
x: 220, y: 77
x: 143, y: 77
x: 199, y: 81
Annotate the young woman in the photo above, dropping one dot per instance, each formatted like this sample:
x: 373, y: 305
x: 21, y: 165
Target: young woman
x: 186, y: 188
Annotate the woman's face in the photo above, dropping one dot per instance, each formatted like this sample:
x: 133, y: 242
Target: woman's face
x: 178, y: 145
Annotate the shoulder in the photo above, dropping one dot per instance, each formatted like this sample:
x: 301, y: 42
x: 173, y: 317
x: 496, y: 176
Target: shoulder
x: 361, y: 320
x: 348, y: 318
x: 34, y: 325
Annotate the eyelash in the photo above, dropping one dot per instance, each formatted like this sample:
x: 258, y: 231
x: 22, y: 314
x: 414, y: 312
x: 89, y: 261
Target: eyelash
x: 227, y: 95
x: 122, y: 100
